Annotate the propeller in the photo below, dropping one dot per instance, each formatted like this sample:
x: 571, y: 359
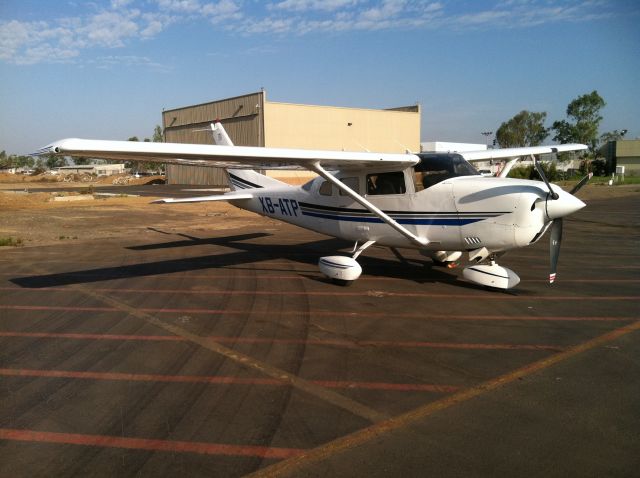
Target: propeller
x: 555, y: 239
x: 581, y: 183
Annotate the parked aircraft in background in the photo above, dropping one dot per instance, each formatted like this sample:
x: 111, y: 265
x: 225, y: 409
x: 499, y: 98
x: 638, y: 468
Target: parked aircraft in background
x: 437, y: 203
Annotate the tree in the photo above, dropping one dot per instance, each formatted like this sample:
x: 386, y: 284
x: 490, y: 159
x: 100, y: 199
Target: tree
x: 5, y: 161
x: 614, y: 135
x: 584, y: 119
x: 524, y: 129
x: 53, y: 162
x: 39, y: 166
x: 23, y: 161
x: 81, y: 160
x: 158, y: 137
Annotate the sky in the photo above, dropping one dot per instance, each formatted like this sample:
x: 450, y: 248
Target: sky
x: 107, y: 69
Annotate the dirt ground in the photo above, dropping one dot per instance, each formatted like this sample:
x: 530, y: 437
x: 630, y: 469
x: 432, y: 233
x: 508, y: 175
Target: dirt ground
x: 35, y: 219
x: 11, y: 181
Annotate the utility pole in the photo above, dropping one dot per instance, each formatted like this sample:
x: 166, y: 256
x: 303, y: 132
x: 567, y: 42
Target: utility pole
x: 486, y: 135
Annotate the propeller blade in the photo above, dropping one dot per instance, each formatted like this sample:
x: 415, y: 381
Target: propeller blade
x: 554, y: 247
x: 538, y: 166
x: 582, y: 182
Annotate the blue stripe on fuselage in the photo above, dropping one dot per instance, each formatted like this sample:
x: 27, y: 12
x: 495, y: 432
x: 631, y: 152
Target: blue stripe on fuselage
x: 416, y: 221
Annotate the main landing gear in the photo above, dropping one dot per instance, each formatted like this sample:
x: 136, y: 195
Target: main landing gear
x: 343, y: 270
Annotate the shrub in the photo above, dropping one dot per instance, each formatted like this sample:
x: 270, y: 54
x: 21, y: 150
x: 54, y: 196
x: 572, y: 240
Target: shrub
x: 529, y: 172
x: 10, y: 241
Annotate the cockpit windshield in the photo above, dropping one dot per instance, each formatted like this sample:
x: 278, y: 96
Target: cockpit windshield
x: 434, y: 168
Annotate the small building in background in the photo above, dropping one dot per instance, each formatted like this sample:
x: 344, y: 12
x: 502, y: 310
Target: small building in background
x: 251, y: 120
x: 448, y: 147
x: 97, y: 169
x: 624, y: 153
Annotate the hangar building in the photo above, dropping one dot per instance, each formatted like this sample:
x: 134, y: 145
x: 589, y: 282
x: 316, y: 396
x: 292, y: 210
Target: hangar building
x: 251, y: 120
x: 625, y: 153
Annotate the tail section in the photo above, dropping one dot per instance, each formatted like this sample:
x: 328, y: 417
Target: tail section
x: 241, y: 178
x: 247, y: 179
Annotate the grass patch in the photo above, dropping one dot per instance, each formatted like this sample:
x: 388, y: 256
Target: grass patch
x: 602, y: 181
x: 10, y: 241
x: 617, y: 181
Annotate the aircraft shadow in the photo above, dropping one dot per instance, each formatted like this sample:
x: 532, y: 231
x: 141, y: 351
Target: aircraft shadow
x: 244, y: 253
x: 196, y: 241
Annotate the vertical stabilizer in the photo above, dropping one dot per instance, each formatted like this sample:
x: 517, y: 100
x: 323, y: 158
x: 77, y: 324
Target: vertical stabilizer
x: 220, y: 136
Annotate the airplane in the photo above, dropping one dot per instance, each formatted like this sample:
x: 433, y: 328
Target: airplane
x: 437, y: 203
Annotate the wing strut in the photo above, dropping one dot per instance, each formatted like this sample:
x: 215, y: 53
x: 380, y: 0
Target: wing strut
x: 370, y: 207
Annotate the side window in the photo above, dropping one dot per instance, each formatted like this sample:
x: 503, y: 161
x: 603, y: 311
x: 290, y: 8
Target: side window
x: 308, y: 185
x: 426, y: 179
x: 326, y: 189
x: 418, y: 180
x: 352, y: 183
x: 386, y: 183
x: 437, y: 167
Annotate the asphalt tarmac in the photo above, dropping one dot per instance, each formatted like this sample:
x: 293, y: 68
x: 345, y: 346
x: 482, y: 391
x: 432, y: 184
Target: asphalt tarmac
x: 228, y: 354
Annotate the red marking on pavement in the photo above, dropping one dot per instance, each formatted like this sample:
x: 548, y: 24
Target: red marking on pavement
x: 287, y: 277
x: 135, y: 377
x: 319, y: 313
x: 403, y: 387
x: 590, y: 257
x: 147, y: 444
x: 582, y: 281
x: 197, y: 276
x: 53, y: 307
x: 52, y: 335
x: 138, y: 377
x: 332, y: 293
x: 259, y: 340
x: 95, y: 263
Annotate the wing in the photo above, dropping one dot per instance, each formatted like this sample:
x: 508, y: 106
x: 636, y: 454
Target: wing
x: 224, y: 156
x: 517, y: 152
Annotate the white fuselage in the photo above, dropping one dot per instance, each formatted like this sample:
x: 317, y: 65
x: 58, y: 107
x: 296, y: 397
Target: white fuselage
x: 461, y: 213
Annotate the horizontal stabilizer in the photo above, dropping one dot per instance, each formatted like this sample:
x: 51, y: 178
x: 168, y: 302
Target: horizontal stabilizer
x: 219, y: 197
